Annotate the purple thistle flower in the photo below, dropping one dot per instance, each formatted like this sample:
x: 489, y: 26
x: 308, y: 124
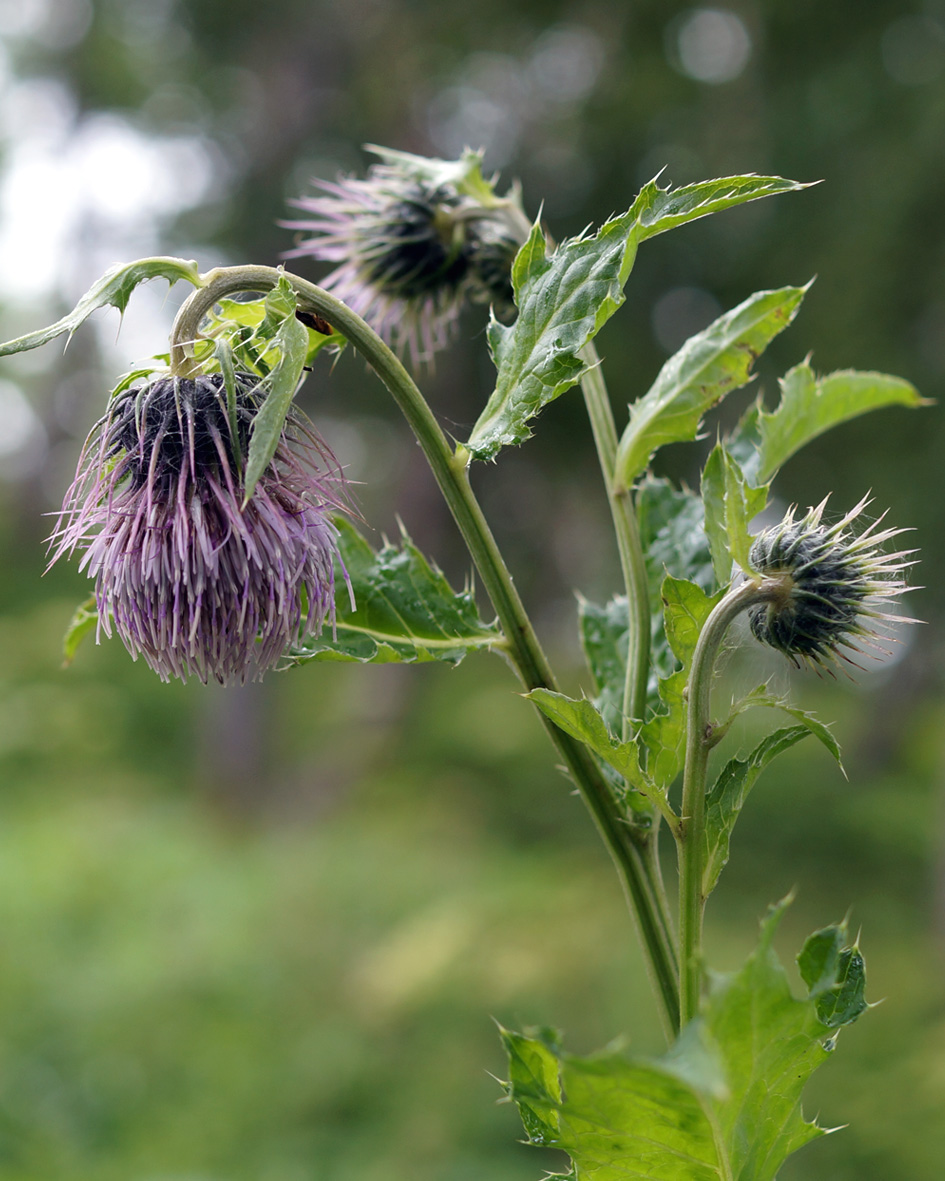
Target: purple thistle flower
x: 189, y: 578
x: 414, y: 241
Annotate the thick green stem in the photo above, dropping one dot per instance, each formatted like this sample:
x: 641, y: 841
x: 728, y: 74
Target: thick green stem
x: 451, y: 474
x: 699, y: 741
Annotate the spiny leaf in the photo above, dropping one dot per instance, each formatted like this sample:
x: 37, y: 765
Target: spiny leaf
x: 582, y: 721
x: 565, y: 299
x: 764, y: 698
x: 708, y: 366
x: 811, y: 405
x: 114, y: 289
x: 659, y: 210
x: 724, y: 1104
x: 405, y: 609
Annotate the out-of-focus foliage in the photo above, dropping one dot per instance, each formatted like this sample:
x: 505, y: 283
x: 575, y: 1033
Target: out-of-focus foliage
x: 258, y: 934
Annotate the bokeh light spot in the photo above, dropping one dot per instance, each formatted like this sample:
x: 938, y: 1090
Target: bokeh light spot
x: 712, y: 45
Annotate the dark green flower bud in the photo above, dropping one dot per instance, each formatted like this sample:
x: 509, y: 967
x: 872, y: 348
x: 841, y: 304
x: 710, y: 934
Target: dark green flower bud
x: 835, y: 584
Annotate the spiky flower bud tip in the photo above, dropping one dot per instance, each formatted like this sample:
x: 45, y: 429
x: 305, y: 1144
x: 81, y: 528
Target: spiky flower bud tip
x: 834, y: 586
x: 191, y: 578
x: 414, y: 240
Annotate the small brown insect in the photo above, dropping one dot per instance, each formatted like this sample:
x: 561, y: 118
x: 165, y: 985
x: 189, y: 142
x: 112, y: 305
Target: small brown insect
x: 310, y: 320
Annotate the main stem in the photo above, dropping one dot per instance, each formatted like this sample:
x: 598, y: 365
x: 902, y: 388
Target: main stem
x: 524, y: 649
x: 699, y: 742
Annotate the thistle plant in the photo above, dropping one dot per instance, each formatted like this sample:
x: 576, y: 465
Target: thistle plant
x: 206, y: 511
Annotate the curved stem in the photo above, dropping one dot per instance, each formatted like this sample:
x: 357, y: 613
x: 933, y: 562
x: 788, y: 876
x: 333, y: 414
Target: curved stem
x: 451, y: 474
x: 699, y: 741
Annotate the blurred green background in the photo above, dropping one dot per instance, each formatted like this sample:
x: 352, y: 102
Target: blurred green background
x: 259, y: 933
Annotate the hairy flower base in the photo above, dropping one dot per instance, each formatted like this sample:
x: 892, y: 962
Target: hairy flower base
x: 188, y: 578
x: 834, y: 584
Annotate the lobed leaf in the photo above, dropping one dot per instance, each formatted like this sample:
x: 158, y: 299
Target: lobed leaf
x: 724, y: 1104
x: 811, y: 405
x: 565, y: 299
x: 708, y: 366
x: 114, y: 289
x: 404, y: 610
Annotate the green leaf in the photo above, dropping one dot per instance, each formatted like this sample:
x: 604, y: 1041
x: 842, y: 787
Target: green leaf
x: 673, y: 536
x: 730, y: 503
x: 604, y: 638
x: 835, y: 976
x: 405, y: 609
x: 582, y: 721
x: 659, y: 210
x: 673, y: 539
x: 114, y: 288
x: 847, y: 1000
x: 708, y: 366
x: 686, y: 607
x: 724, y: 1104
x: 811, y: 405
x: 727, y: 797
x: 819, y: 958
x: 563, y: 301
x: 764, y: 698
x: 291, y: 339
x: 566, y: 299
x: 83, y: 621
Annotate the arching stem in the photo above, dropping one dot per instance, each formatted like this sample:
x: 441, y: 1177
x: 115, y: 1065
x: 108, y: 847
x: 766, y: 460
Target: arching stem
x: 524, y: 650
x: 699, y: 741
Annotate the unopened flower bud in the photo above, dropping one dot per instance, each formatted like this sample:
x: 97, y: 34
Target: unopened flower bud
x: 413, y: 241
x: 834, y: 585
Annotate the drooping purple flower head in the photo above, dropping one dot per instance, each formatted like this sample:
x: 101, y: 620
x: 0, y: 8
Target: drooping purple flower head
x: 190, y: 578
x: 414, y: 241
